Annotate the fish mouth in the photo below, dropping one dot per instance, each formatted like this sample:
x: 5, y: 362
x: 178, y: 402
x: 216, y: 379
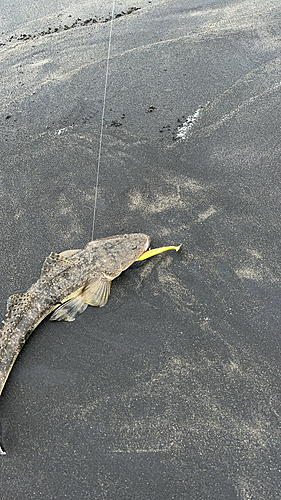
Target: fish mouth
x: 146, y: 246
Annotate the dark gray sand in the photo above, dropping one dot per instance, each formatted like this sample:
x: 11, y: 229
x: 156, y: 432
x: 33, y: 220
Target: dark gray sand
x: 172, y: 391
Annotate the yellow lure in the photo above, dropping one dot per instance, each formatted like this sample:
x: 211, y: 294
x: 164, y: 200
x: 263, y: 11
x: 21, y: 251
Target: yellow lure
x: 156, y: 251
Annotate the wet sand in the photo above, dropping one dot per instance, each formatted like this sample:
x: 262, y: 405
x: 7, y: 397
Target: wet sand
x: 172, y: 390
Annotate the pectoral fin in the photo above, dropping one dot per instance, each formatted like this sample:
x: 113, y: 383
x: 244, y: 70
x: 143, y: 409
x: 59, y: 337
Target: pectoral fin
x: 96, y: 293
x: 156, y: 251
x: 69, y: 310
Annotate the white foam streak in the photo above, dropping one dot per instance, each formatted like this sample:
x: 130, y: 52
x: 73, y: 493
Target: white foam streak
x: 185, y: 127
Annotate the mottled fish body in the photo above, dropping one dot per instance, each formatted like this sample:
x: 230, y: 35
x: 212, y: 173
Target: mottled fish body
x: 69, y: 282
x: 75, y: 278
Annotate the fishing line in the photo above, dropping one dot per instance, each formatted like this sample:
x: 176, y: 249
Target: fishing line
x: 102, y: 119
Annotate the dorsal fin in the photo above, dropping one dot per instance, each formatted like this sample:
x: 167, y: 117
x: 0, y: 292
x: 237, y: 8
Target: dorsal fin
x: 19, y: 302
x: 17, y: 305
x: 68, y: 253
x: 53, y: 265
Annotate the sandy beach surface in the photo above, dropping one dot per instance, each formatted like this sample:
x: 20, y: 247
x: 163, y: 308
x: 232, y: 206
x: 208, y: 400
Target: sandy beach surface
x: 172, y: 390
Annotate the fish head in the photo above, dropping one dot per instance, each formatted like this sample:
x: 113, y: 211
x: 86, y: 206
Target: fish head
x: 115, y: 254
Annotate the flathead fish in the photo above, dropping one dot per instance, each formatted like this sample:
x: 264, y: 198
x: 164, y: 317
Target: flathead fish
x: 69, y: 282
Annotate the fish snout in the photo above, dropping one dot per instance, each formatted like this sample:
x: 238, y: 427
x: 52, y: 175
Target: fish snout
x: 147, y: 245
